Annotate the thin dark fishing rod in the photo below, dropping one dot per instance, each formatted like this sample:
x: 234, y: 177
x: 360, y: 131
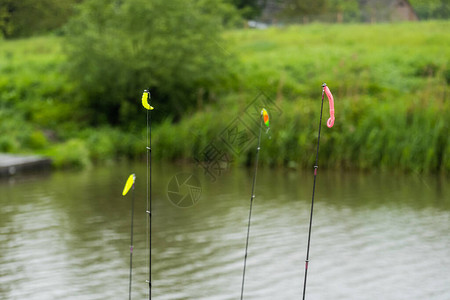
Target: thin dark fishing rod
x: 149, y: 199
x: 251, y: 206
x: 316, y: 166
x: 131, y: 244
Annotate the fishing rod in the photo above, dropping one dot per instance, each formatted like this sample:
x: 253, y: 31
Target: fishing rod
x: 146, y: 103
x: 263, y: 118
x: 330, y: 123
x: 128, y: 185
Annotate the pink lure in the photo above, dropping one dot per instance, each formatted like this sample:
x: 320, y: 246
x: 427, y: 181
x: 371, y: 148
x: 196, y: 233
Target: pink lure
x: 330, y: 121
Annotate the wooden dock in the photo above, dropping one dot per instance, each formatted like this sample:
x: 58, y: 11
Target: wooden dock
x: 11, y: 164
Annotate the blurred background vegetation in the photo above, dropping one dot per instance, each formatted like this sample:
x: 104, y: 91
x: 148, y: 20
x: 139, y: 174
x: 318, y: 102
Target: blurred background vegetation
x: 72, y: 73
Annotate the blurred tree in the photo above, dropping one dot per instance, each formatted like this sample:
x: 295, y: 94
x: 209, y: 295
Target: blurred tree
x: 345, y: 10
x: 28, y: 17
x: 303, y: 8
x: 249, y: 9
x: 431, y: 9
x: 116, y: 49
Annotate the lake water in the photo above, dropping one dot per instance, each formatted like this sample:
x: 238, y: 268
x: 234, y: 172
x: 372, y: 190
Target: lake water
x: 66, y: 235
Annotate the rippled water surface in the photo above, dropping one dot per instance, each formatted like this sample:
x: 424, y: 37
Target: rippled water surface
x: 66, y: 235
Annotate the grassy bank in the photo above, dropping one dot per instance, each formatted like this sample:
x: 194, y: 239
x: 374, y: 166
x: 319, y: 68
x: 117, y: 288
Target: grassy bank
x: 41, y: 112
x: 390, y: 83
x: 391, y: 88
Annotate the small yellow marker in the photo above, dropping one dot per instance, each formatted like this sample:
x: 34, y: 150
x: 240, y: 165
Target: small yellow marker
x: 129, y: 184
x: 145, y: 98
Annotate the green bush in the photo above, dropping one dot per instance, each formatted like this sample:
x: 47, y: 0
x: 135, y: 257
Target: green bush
x: 117, y: 49
x: 30, y: 17
x: 8, y: 144
x: 73, y: 153
x: 36, y: 140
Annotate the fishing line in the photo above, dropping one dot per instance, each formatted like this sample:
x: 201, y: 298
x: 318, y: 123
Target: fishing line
x: 330, y: 123
x: 263, y: 118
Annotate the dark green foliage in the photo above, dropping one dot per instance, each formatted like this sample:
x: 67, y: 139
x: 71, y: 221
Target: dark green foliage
x: 249, y: 9
x: 324, y: 10
x: 345, y: 10
x: 294, y: 8
x: 19, y: 18
x: 431, y: 9
x: 116, y: 49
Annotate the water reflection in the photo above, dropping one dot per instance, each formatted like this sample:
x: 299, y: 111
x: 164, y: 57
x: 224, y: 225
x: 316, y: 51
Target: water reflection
x: 374, y: 236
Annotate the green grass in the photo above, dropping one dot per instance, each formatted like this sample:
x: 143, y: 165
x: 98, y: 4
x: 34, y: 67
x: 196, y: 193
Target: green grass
x: 40, y: 109
x: 390, y: 83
